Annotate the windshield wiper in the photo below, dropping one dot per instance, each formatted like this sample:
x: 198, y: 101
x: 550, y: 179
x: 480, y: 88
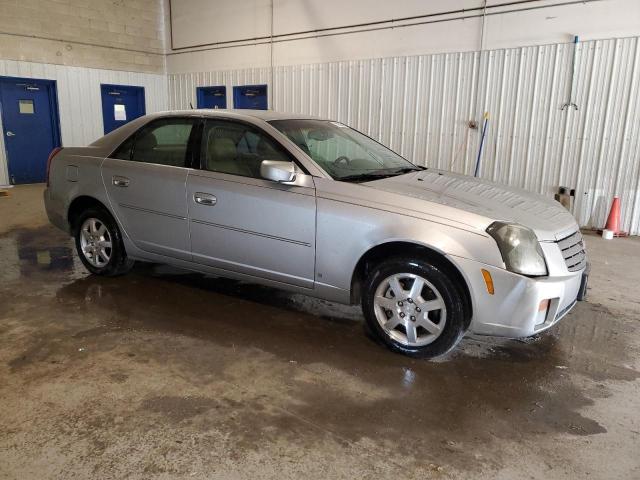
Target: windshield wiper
x: 403, y: 170
x: 363, y: 177
x: 379, y: 174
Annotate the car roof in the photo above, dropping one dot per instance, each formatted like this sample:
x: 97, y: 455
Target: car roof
x: 265, y: 115
x: 116, y: 137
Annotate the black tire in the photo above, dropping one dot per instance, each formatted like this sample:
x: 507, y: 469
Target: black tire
x: 454, y: 326
x: 118, y: 262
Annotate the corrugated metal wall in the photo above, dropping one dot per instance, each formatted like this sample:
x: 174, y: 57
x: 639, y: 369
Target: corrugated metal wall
x: 420, y: 106
x: 79, y: 98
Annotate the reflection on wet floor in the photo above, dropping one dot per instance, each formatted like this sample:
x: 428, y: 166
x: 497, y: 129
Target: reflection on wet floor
x: 27, y: 253
x: 54, y: 258
x: 22, y: 255
x: 311, y: 357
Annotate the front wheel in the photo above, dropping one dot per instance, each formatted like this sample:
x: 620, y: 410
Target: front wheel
x: 99, y: 243
x: 413, y: 307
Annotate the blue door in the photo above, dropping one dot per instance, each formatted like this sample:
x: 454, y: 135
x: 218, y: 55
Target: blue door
x: 30, y: 126
x: 212, y: 97
x: 250, y: 96
x: 120, y: 105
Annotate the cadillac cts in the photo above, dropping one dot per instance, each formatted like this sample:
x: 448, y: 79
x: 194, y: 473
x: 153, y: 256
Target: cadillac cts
x: 313, y: 206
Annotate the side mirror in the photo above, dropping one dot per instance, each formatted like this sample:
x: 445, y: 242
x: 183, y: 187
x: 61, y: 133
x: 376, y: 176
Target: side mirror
x: 278, y: 171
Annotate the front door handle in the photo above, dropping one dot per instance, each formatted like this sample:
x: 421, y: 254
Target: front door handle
x: 205, y: 199
x: 119, y: 181
x: 10, y: 134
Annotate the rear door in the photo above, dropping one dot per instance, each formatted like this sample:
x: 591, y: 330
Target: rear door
x: 242, y: 222
x: 145, y: 180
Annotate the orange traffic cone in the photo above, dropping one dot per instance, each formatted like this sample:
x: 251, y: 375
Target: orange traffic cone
x: 613, y: 221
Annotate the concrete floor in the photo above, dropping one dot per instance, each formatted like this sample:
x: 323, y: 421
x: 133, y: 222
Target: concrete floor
x: 167, y: 374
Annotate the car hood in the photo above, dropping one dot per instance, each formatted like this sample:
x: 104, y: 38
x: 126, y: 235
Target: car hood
x: 546, y: 217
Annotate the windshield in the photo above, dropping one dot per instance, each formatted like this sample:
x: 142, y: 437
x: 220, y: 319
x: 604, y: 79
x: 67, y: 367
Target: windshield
x: 343, y: 152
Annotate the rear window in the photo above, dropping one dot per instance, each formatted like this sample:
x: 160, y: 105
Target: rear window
x: 162, y: 142
x: 123, y: 152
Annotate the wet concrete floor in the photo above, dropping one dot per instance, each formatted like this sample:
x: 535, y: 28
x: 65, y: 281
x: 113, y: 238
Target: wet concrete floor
x: 168, y: 374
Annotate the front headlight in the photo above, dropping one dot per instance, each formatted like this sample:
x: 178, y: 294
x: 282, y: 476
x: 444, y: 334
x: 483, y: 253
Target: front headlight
x: 519, y: 248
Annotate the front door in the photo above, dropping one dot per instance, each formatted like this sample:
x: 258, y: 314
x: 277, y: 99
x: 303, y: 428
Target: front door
x: 243, y: 223
x: 120, y: 105
x: 145, y: 181
x: 30, y: 126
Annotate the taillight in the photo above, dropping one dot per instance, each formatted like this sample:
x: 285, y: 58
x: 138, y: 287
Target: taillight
x: 53, y: 153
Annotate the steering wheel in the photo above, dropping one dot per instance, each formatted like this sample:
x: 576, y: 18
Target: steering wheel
x: 341, y: 159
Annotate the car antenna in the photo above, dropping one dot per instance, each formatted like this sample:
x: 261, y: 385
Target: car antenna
x: 191, y: 105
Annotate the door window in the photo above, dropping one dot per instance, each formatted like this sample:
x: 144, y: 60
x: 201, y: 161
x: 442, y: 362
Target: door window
x: 163, y: 142
x: 238, y: 149
x: 26, y: 106
x: 123, y: 152
x: 119, y: 112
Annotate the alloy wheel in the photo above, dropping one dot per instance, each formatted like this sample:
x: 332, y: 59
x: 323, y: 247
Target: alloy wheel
x: 410, y: 309
x: 95, y: 242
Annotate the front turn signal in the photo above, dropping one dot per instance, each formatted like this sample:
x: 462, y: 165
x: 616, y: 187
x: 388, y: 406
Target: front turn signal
x: 488, y: 281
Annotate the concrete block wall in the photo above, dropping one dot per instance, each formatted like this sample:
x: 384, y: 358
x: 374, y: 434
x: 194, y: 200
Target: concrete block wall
x: 81, y: 44
x: 116, y: 34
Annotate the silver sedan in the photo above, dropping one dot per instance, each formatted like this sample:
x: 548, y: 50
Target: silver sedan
x: 313, y: 206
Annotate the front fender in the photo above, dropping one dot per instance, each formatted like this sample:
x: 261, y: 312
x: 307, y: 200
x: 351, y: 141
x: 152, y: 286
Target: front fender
x: 346, y: 231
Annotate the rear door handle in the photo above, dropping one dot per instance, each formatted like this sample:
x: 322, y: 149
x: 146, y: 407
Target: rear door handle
x: 205, y: 199
x: 119, y: 181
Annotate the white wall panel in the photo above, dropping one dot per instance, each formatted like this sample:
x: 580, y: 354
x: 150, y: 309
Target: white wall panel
x: 421, y: 106
x: 396, y: 31
x: 79, y: 99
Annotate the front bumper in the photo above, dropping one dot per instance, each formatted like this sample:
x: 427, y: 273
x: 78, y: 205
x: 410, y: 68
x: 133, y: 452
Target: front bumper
x: 514, y: 309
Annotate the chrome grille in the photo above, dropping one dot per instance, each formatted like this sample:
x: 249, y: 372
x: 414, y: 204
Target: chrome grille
x: 572, y: 248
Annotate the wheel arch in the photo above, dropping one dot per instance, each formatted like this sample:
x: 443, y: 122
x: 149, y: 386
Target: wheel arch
x: 79, y: 205
x: 385, y: 250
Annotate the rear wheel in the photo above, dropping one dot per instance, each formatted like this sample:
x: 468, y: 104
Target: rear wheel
x: 99, y: 243
x: 413, y: 307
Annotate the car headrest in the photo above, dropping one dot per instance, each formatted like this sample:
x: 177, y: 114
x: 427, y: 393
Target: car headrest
x: 221, y: 149
x: 147, y: 142
x: 265, y: 150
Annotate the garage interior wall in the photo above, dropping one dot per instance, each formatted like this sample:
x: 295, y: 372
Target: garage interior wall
x: 81, y: 44
x: 415, y: 88
x: 409, y: 73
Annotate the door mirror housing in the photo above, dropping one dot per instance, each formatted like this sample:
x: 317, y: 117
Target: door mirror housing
x: 278, y: 171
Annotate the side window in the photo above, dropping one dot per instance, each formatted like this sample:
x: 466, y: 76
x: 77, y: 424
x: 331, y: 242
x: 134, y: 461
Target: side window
x: 164, y: 142
x: 123, y: 152
x: 238, y: 149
